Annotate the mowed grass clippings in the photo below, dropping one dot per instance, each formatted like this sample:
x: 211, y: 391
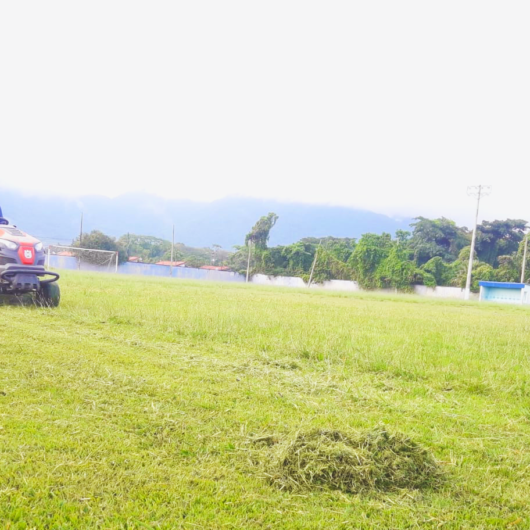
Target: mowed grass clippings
x: 152, y: 403
x: 354, y: 463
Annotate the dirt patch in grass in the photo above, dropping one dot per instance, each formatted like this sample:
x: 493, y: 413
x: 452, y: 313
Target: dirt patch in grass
x: 374, y: 460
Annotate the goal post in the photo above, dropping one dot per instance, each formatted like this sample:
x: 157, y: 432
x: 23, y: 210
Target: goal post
x: 60, y: 256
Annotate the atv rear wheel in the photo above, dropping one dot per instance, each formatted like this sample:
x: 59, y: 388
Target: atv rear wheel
x: 49, y: 295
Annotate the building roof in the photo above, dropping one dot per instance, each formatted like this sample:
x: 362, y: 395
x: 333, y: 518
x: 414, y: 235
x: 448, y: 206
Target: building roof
x: 215, y: 268
x: 503, y: 285
x: 175, y: 263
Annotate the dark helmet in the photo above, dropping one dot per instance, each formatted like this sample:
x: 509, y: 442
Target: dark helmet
x: 3, y: 221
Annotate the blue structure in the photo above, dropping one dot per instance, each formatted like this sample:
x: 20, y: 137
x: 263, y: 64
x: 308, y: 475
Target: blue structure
x: 147, y: 269
x: 505, y: 292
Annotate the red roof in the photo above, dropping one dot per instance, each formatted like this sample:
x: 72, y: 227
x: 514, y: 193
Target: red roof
x: 215, y: 268
x: 175, y: 263
x: 65, y: 253
x: 135, y: 259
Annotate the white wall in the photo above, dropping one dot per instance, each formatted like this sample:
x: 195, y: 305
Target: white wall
x: 337, y: 285
x: 342, y: 285
x: 442, y: 292
x: 277, y: 281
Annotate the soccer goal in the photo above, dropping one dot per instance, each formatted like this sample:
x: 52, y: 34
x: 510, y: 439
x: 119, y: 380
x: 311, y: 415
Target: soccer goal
x: 85, y: 258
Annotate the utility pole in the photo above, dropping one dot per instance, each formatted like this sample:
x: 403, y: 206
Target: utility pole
x: 172, y: 251
x: 215, y: 248
x: 248, y: 261
x: 478, y: 192
x: 314, y: 263
x: 523, y: 270
x: 80, y: 243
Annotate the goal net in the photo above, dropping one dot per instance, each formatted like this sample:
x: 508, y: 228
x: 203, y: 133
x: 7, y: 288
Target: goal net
x: 62, y: 257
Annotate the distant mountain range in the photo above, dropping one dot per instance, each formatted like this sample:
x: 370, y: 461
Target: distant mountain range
x: 224, y: 222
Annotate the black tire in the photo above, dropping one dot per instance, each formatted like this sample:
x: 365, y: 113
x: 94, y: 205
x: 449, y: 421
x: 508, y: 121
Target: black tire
x: 49, y: 295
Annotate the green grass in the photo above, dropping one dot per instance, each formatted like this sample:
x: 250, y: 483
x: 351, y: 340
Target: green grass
x: 137, y: 402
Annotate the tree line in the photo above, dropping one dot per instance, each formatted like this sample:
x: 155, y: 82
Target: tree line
x: 435, y: 252
x: 150, y: 249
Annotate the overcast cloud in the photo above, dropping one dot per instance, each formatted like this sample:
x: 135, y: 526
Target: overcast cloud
x: 391, y: 106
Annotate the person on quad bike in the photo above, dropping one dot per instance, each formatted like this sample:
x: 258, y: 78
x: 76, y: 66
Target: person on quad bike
x: 3, y: 221
x: 22, y: 270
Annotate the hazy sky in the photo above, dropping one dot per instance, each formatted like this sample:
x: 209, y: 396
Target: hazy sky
x: 391, y: 106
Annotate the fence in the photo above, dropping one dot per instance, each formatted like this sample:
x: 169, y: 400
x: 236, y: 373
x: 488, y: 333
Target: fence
x: 148, y: 269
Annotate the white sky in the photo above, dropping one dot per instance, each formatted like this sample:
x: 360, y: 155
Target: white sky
x: 390, y: 106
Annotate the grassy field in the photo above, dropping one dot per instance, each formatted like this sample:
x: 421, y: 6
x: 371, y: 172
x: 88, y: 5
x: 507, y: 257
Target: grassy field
x: 139, y: 403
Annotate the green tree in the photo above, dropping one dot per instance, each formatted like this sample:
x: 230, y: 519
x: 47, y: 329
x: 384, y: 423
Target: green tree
x: 370, y: 252
x: 403, y: 236
x: 396, y: 270
x: 238, y: 260
x: 196, y: 261
x: 149, y: 248
x: 260, y: 233
x: 437, y: 237
x: 97, y: 240
x: 340, y: 247
x: 299, y: 257
x: 480, y: 271
x: 510, y: 266
x: 509, y: 269
x: 256, y: 243
x: 442, y: 273
x: 499, y: 238
x: 328, y: 267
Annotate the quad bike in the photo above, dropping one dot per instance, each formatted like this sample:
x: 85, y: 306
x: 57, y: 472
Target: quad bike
x: 22, y: 269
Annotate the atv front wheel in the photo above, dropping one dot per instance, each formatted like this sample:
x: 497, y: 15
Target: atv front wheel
x: 49, y: 295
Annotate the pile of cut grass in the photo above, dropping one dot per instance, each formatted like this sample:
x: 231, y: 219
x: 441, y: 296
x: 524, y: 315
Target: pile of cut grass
x: 374, y: 460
